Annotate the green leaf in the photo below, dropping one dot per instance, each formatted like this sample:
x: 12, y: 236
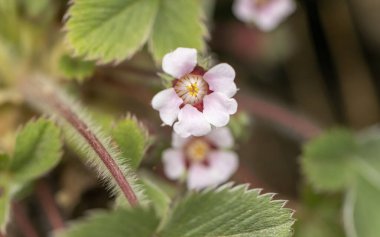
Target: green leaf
x: 132, y: 139
x: 109, y: 30
x: 362, y: 210
x: 327, y: 160
x: 5, y: 201
x: 75, y: 68
x: 159, y: 199
x: 4, y: 161
x: 178, y: 24
x: 229, y: 212
x: 134, y: 222
x: 38, y: 150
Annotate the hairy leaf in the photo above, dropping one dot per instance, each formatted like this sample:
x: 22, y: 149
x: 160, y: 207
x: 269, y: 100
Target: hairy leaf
x: 38, y: 149
x: 327, y: 160
x: 134, y: 222
x: 109, y: 30
x: 132, y: 139
x: 229, y: 212
x: 178, y: 24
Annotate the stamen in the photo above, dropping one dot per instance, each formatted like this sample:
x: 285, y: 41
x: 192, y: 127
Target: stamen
x: 191, y: 88
x: 197, y: 150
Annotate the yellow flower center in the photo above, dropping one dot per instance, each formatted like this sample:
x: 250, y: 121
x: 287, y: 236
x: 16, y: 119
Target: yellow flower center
x: 191, y: 88
x: 197, y: 150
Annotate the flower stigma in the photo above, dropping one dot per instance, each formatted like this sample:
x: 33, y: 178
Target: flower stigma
x: 191, y: 88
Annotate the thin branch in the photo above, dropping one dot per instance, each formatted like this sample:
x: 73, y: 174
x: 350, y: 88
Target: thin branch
x: 41, y: 90
x: 22, y: 220
x: 46, y: 200
x: 279, y: 115
x: 98, y: 147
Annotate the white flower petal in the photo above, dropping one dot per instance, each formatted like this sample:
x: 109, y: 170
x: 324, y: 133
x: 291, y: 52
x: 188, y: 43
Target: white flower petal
x: 178, y: 141
x: 221, y: 78
x: 167, y: 103
x: 191, y: 122
x: 243, y: 10
x: 218, y: 108
x: 174, y: 163
x: 221, y: 167
x: 266, y: 17
x: 180, y: 62
x: 221, y: 137
x: 271, y: 16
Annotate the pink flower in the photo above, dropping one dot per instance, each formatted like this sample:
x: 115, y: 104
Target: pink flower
x: 204, y: 161
x: 266, y: 14
x: 198, y: 98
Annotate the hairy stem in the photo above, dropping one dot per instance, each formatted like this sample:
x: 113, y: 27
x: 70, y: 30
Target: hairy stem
x: 49, y: 206
x: 98, y: 147
x: 22, y: 221
x: 41, y: 91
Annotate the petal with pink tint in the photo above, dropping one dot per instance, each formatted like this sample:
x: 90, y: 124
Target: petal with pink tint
x: 221, y: 78
x: 243, y: 10
x: 217, y: 108
x: 180, y: 62
x: 191, y: 122
x: 221, y: 137
x: 268, y: 18
x: 178, y: 141
x: 167, y: 103
x: 222, y: 165
x: 174, y: 163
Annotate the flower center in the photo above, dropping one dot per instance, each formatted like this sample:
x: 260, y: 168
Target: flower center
x: 261, y: 3
x: 197, y: 150
x: 191, y: 88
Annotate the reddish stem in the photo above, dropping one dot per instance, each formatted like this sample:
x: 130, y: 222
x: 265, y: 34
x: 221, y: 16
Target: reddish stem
x: 98, y: 147
x: 47, y: 202
x: 22, y: 221
x: 279, y: 115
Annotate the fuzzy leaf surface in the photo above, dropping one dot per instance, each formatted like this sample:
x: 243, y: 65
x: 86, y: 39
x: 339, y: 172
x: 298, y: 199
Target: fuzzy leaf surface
x: 178, y: 24
x: 229, y: 212
x: 110, y: 30
x: 134, y: 222
x: 38, y: 150
x: 132, y: 139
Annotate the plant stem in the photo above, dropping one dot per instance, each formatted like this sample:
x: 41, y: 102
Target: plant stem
x: 49, y: 206
x: 41, y: 91
x: 279, y: 115
x: 22, y: 221
x: 98, y: 147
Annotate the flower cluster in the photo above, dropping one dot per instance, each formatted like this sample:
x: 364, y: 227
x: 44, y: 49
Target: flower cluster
x: 198, y: 105
x: 266, y: 14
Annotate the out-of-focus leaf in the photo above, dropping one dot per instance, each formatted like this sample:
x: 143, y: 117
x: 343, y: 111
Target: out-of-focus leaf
x: 229, y: 212
x: 159, y: 199
x: 38, y: 149
x: 134, y: 222
x: 5, y: 200
x: 327, y: 160
x: 75, y: 68
x: 132, y: 139
x: 178, y: 24
x: 110, y: 30
x: 36, y: 7
x: 4, y: 161
x: 362, y: 210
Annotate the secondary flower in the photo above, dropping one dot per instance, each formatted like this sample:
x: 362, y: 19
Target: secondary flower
x: 197, y: 98
x: 266, y: 14
x: 204, y: 161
